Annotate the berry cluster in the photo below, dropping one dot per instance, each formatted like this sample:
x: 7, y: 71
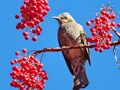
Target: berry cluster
x: 28, y: 74
x: 101, y: 26
x: 32, y: 13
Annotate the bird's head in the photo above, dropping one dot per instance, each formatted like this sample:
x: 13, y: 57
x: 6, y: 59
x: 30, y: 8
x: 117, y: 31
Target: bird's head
x: 64, y: 18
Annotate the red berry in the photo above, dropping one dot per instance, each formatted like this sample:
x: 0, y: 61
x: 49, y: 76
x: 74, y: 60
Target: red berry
x: 110, y: 36
x: 17, y: 16
x: 101, y: 50
x: 92, y: 39
x: 31, y: 24
x: 47, y: 8
x: 108, y: 41
x: 32, y: 12
x: 92, y: 21
x: 118, y: 25
x: 25, y: 33
x: 38, y: 31
x: 113, y: 24
x: 26, y: 37
x: 103, y: 18
x: 45, y: 2
x: 12, y: 62
x: 17, y: 53
x: 45, y: 77
x: 97, y: 19
x: 88, y: 23
x: 94, y: 33
x: 92, y: 29
x: 15, y: 60
x: 103, y: 12
x: 113, y: 16
x: 28, y: 74
x: 99, y: 28
x: 24, y: 50
x: 14, y: 68
x: 107, y: 28
x: 34, y: 38
x: 107, y: 14
x: 96, y: 48
x: 18, y: 26
x: 88, y: 39
x: 105, y: 46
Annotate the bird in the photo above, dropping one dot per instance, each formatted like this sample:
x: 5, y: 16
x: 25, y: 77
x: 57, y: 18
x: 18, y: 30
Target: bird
x: 70, y: 33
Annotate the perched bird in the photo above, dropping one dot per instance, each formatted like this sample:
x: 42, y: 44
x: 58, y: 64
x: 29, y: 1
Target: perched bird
x: 70, y: 33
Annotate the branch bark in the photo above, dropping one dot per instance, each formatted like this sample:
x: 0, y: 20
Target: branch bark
x: 58, y: 49
x: 116, y: 32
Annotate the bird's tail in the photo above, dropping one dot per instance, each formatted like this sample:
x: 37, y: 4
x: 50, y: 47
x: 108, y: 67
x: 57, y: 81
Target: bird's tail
x: 80, y: 81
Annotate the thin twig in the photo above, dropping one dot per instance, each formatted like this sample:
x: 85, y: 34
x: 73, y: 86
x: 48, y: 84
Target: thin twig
x: 116, y: 32
x: 115, y: 56
x: 41, y: 56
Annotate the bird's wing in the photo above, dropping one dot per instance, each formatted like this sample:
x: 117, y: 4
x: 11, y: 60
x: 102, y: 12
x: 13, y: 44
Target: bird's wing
x: 84, y: 42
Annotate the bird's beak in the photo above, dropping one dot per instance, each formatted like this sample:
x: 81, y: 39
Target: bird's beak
x: 55, y: 17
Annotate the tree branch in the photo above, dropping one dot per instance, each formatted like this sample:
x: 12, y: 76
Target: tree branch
x: 58, y: 49
x: 115, y: 56
x: 116, y: 32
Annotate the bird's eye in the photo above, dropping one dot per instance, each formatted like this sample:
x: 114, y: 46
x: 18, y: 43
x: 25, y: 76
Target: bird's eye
x: 64, y: 18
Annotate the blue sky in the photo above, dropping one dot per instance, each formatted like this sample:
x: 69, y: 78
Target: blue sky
x: 102, y: 74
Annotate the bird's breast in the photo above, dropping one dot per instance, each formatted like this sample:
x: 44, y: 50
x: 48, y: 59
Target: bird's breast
x: 66, y: 40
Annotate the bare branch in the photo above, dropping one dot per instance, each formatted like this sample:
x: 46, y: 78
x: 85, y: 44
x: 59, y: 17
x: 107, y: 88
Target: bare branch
x: 58, y: 49
x: 116, y: 32
x: 115, y: 56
